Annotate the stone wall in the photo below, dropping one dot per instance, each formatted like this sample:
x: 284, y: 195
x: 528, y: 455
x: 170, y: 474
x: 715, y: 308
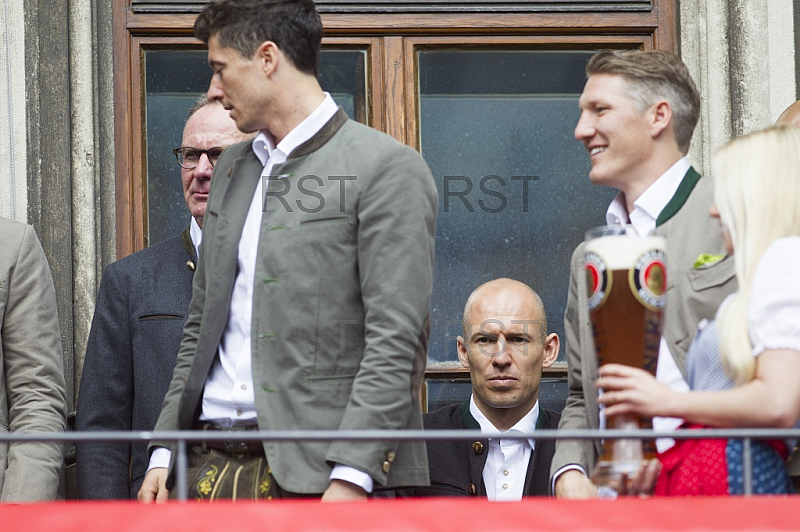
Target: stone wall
x: 742, y: 55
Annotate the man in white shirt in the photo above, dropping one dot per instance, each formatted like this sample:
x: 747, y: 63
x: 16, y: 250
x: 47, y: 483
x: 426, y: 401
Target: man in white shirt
x: 504, y: 345
x: 638, y: 114
x: 311, y: 298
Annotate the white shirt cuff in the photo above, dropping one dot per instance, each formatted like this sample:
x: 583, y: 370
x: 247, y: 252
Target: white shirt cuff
x: 160, y: 458
x: 555, y: 477
x: 348, y: 474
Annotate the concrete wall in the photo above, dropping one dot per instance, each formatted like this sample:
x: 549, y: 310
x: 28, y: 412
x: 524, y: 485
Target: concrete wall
x: 56, y: 148
x: 742, y: 55
x: 13, y: 157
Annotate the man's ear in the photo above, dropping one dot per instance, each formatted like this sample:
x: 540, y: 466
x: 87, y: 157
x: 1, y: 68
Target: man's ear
x: 268, y: 53
x: 463, y: 356
x: 551, y: 346
x: 660, y: 117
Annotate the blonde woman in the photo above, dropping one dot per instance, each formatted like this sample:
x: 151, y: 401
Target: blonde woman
x: 744, y: 367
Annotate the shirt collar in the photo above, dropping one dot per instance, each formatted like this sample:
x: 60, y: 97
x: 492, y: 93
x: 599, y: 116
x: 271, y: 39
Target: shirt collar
x: 526, y: 425
x: 197, y: 235
x: 264, y: 143
x: 649, y: 205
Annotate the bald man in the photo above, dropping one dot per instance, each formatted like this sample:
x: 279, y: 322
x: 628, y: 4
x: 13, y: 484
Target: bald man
x: 790, y: 116
x: 505, y: 346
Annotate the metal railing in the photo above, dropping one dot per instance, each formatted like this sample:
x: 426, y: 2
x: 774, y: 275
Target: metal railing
x: 183, y: 438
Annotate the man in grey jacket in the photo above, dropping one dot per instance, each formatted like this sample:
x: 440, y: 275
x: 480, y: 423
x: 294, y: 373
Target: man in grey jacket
x: 138, y: 324
x: 311, y: 304
x: 638, y: 114
x: 32, y: 389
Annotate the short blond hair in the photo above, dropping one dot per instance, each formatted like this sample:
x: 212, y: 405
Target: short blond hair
x: 652, y: 76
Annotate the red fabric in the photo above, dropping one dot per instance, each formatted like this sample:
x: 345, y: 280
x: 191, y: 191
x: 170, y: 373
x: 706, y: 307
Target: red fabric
x: 698, y: 467
x: 779, y: 446
x: 694, y: 467
x: 458, y: 514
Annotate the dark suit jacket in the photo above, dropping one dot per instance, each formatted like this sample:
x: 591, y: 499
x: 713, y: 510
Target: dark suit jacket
x: 456, y: 467
x: 341, y: 301
x: 136, y: 331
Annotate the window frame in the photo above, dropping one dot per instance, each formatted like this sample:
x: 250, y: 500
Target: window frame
x: 392, y: 40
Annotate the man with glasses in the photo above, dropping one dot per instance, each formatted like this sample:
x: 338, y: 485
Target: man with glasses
x: 138, y: 323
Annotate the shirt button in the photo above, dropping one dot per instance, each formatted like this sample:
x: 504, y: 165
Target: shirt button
x: 244, y: 386
x: 505, y: 472
x: 505, y: 486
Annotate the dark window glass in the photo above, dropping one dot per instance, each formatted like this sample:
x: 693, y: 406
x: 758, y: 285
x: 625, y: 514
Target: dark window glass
x: 496, y: 129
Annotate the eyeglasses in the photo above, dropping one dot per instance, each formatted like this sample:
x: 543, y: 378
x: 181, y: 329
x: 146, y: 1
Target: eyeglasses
x: 189, y: 157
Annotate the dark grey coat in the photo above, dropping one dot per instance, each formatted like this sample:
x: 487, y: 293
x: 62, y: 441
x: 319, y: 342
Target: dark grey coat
x: 456, y: 467
x: 136, y: 331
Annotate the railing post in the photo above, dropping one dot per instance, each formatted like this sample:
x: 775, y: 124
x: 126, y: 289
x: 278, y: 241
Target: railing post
x: 181, y: 471
x: 747, y: 467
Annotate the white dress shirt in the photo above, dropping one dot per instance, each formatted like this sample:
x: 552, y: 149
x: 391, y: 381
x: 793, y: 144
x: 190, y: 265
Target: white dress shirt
x: 646, y: 210
x: 196, y: 235
x: 507, y: 460
x: 228, y: 398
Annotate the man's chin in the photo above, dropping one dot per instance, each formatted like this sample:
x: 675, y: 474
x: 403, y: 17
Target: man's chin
x: 198, y: 211
x: 597, y: 177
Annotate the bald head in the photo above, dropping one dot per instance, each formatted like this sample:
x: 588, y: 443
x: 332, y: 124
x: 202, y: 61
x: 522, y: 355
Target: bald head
x: 791, y: 116
x: 504, y: 292
x: 505, y: 347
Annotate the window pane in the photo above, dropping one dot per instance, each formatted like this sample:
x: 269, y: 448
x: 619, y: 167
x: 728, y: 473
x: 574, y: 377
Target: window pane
x: 174, y: 79
x: 496, y: 128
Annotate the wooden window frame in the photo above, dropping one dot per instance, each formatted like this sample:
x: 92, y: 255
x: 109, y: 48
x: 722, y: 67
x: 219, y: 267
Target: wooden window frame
x: 392, y: 40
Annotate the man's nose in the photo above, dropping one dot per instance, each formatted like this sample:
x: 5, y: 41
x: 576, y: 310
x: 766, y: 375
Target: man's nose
x: 214, y: 91
x: 501, y: 357
x: 584, y: 129
x: 204, y: 167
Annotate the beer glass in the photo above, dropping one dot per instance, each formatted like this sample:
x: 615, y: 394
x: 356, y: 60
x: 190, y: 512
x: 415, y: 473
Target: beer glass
x: 627, y: 293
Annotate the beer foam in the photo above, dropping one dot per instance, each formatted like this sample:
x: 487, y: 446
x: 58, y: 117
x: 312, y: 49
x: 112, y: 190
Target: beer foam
x: 620, y: 252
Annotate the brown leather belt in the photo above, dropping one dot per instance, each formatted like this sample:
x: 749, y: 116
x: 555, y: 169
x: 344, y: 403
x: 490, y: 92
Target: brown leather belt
x: 233, y: 445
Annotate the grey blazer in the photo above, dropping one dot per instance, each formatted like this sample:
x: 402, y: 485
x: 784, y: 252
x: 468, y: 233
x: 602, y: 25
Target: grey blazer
x: 32, y: 389
x: 693, y: 294
x: 340, y: 306
x: 136, y: 331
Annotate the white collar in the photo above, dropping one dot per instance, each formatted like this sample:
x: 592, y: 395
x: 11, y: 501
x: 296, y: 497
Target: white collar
x: 649, y: 205
x: 264, y: 143
x: 197, y: 235
x: 526, y: 425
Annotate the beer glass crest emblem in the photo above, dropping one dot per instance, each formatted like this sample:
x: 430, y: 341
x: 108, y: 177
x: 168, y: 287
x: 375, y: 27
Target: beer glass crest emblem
x: 597, y: 280
x: 648, y: 279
